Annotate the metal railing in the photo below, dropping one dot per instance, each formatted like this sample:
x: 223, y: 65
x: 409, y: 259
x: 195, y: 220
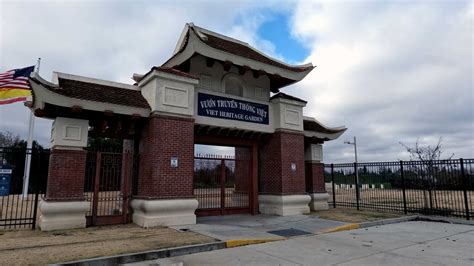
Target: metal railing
x: 17, y: 211
x: 444, y: 187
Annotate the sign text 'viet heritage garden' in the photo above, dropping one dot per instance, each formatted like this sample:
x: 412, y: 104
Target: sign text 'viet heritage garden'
x: 228, y: 108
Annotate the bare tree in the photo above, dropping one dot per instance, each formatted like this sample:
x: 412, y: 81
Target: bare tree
x: 426, y: 170
x: 8, y: 139
x: 425, y: 153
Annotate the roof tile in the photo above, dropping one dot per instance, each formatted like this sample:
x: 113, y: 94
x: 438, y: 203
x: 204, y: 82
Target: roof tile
x: 100, y: 93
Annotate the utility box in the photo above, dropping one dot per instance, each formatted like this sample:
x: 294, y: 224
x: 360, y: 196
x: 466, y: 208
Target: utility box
x: 5, y: 180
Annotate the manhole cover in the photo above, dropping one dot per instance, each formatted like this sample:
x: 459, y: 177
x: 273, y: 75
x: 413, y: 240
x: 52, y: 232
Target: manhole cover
x: 289, y: 232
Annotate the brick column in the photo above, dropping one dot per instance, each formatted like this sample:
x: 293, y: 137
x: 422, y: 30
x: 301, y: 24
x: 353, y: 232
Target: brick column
x: 242, y: 169
x: 282, y: 175
x: 66, y: 175
x: 64, y: 206
x: 165, y: 191
x: 315, y: 184
x: 315, y: 177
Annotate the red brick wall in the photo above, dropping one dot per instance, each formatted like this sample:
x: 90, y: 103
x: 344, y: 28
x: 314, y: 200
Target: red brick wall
x: 276, y: 156
x: 66, y: 175
x: 162, y: 138
x: 315, y: 178
x: 242, y: 169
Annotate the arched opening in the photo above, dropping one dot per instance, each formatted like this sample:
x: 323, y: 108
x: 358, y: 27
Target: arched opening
x: 233, y: 85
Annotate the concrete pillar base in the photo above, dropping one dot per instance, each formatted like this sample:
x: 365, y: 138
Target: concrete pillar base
x: 284, y: 205
x: 319, y: 201
x: 57, y: 215
x: 150, y: 213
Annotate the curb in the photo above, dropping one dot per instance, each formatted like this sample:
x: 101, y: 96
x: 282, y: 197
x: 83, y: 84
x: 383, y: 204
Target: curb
x: 148, y: 255
x: 341, y: 228
x: 184, y: 250
x: 440, y: 219
x: 244, y: 242
x: 389, y: 221
x: 396, y: 220
x: 369, y: 224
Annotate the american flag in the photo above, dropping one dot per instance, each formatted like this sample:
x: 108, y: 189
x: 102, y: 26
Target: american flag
x: 14, y: 85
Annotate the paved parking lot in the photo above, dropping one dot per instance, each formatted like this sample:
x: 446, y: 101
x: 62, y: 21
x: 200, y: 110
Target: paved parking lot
x: 408, y: 243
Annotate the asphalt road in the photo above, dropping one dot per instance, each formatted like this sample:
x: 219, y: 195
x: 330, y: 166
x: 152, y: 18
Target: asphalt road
x: 408, y: 243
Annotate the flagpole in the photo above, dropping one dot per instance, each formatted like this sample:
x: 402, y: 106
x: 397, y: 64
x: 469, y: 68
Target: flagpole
x: 29, y: 146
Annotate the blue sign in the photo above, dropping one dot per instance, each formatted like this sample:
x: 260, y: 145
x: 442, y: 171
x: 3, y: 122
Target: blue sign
x: 5, y: 179
x: 228, y: 108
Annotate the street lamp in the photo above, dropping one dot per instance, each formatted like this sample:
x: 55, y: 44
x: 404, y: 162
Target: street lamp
x: 356, y: 167
x: 355, y: 146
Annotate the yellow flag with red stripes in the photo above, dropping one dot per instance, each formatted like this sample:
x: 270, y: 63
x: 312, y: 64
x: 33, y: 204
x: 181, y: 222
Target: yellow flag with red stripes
x: 14, y: 85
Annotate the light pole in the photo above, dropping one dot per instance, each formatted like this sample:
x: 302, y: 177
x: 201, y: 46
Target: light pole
x: 356, y: 167
x: 355, y: 147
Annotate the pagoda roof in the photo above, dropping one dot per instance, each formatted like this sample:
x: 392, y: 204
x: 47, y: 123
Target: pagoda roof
x: 197, y: 40
x: 315, y: 130
x: 68, y: 90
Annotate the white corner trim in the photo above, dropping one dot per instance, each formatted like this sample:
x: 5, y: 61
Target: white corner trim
x: 288, y: 101
x: 164, y: 75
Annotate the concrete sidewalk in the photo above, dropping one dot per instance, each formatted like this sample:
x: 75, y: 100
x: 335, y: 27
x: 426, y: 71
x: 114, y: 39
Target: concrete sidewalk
x: 235, y: 227
x: 408, y: 243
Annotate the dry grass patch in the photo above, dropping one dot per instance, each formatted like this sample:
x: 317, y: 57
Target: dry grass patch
x: 353, y: 215
x: 28, y: 247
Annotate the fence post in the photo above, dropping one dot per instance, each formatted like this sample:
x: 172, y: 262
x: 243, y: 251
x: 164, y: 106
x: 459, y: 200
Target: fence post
x: 465, y: 181
x: 357, y: 185
x: 403, y: 188
x: 35, y: 208
x: 333, y: 186
x: 37, y: 188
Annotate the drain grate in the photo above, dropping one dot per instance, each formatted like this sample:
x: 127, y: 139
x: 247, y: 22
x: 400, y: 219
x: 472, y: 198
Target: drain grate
x: 289, y: 232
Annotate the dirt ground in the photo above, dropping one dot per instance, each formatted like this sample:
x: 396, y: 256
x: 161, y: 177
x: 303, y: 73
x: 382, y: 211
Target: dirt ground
x: 353, y: 215
x: 393, y: 198
x: 28, y: 247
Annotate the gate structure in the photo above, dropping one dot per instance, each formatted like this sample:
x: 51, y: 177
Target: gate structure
x: 108, y: 187
x: 222, y: 184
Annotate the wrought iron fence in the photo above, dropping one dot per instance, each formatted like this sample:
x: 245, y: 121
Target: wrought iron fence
x: 444, y: 187
x: 16, y: 210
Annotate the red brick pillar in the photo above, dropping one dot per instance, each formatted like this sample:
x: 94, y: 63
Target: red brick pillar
x: 242, y: 169
x: 282, y: 175
x: 66, y: 175
x: 315, y: 185
x: 165, y: 191
x: 164, y: 138
x: 64, y: 206
x: 315, y: 177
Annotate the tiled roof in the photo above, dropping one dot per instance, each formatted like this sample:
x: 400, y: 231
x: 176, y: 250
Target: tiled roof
x: 247, y: 52
x: 288, y: 97
x: 100, y: 93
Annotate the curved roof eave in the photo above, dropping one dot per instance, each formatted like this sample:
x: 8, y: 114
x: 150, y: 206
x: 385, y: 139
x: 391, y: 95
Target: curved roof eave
x: 316, y: 129
x: 43, y: 93
x: 193, y: 43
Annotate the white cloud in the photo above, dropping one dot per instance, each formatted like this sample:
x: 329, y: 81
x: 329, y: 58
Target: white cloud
x: 106, y: 39
x: 391, y: 71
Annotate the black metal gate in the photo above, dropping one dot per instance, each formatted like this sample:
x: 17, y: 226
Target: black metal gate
x: 107, y: 187
x: 17, y: 211
x: 222, y: 184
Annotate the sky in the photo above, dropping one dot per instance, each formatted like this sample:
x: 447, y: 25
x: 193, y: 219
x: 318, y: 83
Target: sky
x: 390, y: 71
